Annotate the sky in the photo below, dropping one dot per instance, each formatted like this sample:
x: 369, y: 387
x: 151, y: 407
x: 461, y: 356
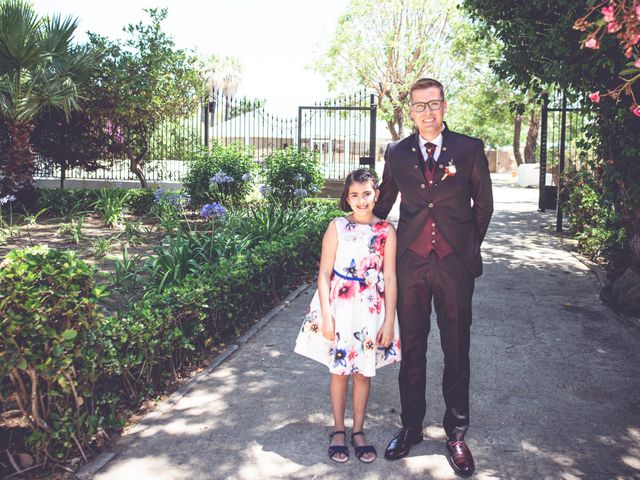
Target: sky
x: 275, y: 40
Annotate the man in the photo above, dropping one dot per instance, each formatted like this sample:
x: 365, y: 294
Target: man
x: 446, y: 204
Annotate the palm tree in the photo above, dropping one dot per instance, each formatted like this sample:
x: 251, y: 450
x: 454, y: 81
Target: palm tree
x: 39, y: 69
x: 222, y: 74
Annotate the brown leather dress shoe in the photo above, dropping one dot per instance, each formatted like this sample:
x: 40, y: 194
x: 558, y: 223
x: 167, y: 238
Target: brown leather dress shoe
x: 401, y: 443
x: 460, y: 457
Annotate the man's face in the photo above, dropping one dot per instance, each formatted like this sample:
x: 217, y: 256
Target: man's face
x: 429, y: 122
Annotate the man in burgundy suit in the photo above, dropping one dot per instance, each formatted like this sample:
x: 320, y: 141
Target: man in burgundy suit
x: 445, y: 209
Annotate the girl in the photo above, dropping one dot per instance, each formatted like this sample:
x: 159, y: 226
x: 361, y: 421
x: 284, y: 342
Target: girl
x: 351, y: 325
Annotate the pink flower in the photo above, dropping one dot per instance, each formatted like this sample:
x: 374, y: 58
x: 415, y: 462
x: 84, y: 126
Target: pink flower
x: 591, y: 43
x: 595, y: 97
x: 613, y: 27
x: 608, y: 14
x: 635, y: 109
x: 637, y: 63
x: 638, y: 12
x: 634, y: 39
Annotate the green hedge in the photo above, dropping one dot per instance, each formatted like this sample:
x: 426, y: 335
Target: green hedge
x: 119, y: 360
x: 593, y: 218
x: 49, y: 357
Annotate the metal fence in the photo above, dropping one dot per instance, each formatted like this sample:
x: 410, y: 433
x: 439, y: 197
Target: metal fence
x: 563, y: 130
x: 341, y: 130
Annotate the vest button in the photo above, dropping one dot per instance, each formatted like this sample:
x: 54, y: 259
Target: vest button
x: 422, y: 185
x: 431, y: 204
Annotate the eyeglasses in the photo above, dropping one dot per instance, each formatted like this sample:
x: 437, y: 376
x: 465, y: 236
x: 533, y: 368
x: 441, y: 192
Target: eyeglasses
x: 422, y: 106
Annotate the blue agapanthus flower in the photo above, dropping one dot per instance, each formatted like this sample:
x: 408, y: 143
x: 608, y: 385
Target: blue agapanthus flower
x: 6, y: 199
x: 265, y: 190
x: 247, y: 177
x: 298, y: 177
x: 158, y: 194
x: 179, y: 200
x: 300, y: 192
x: 213, y: 210
x: 220, y: 178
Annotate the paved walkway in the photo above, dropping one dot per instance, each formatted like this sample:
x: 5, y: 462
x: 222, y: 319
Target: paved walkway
x: 555, y: 386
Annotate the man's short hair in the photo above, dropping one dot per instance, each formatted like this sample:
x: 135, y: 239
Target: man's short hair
x: 427, y: 83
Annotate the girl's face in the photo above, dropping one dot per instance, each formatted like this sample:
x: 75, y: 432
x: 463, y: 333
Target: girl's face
x: 362, y: 198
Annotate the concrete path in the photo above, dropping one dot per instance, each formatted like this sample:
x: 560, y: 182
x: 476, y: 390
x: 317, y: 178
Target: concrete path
x: 555, y: 386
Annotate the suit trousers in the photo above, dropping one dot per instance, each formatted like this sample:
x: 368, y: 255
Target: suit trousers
x: 449, y: 284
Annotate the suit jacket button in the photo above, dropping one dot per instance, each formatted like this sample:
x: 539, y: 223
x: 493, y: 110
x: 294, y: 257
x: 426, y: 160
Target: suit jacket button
x: 431, y: 205
x: 422, y: 185
x: 433, y: 241
x: 415, y: 167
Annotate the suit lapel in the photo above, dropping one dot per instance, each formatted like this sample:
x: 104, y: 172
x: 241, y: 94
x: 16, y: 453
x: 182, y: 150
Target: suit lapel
x: 446, y: 153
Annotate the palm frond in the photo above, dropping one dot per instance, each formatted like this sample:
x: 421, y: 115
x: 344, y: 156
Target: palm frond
x: 20, y: 37
x: 58, y: 34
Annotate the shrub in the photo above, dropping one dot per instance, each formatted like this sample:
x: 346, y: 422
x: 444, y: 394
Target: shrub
x: 86, y: 367
x: 50, y: 309
x: 230, y: 165
x: 593, y: 219
x: 292, y: 175
x: 140, y: 201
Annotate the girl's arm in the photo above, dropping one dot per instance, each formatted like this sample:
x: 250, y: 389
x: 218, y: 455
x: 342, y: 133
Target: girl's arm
x: 385, y: 334
x: 327, y: 260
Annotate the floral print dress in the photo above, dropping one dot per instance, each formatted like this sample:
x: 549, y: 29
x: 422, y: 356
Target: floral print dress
x: 356, y: 296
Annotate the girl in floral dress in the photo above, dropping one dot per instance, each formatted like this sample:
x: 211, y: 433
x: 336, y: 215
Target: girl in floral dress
x: 351, y: 326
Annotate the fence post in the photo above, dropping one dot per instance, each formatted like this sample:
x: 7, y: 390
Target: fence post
x: 299, y: 128
x: 543, y: 151
x: 205, y: 111
x: 563, y: 134
x: 372, y: 131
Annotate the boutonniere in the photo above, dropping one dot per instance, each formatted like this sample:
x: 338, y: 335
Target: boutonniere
x: 449, y: 170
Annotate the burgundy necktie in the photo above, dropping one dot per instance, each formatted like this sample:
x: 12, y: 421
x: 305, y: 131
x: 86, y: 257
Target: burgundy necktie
x: 431, y: 161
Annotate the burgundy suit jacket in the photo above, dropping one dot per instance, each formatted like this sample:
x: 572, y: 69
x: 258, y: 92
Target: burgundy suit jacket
x: 461, y: 205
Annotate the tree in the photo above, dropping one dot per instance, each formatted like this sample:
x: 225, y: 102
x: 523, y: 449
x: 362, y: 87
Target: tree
x: 222, y: 74
x: 621, y: 19
x: 143, y: 83
x: 540, y: 51
x: 385, y: 45
x: 40, y: 69
x: 77, y: 140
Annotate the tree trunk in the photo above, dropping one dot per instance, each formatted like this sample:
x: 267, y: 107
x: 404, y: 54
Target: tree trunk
x: 517, y: 128
x: 134, y: 166
x: 391, y: 124
x: 532, y: 138
x: 18, y: 164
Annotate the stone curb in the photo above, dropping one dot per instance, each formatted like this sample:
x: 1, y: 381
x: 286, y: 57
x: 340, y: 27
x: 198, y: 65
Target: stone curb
x: 95, y: 465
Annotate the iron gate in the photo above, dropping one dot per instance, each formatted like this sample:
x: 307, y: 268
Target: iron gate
x: 562, y: 128
x: 343, y: 133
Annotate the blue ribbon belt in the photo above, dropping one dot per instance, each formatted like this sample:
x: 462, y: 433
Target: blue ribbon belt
x: 355, y: 279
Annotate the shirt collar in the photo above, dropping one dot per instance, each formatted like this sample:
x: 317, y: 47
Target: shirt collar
x: 436, y: 141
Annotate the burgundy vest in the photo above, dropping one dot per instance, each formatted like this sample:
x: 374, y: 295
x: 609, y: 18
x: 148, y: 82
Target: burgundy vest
x: 430, y: 239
